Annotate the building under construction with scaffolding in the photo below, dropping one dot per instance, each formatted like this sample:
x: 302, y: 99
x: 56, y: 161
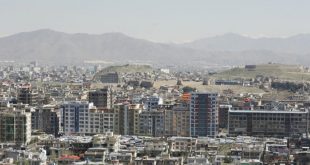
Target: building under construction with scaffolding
x: 15, y: 127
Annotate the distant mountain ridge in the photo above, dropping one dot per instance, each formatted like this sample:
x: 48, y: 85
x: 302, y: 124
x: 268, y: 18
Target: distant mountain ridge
x: 48, y: 46
x: 234, y: 42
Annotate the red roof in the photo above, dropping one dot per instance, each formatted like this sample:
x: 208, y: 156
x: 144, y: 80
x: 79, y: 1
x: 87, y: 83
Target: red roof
x: 70, y: 157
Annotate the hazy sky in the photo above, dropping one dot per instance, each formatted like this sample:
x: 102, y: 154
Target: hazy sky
x: 158, y: 20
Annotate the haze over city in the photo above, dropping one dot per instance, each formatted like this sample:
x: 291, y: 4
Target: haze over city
x: 154, y: 82
x: 161, y: 21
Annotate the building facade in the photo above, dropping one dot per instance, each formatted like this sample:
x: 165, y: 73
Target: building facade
x: 85, y: 119
x: 223, y: 116
x: 177, y: 121
x: 102, y: 98
x: 45, y: 119
x: 270, y: 123
x: 15, y: 127
x: 128, y: 120
x: 26, y: 95
x: 72, y: 113
x: 152, y: 123
x: 204, y: 114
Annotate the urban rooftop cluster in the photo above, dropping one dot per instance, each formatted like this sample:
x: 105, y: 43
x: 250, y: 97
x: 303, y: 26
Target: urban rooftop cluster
x: 91, y: 115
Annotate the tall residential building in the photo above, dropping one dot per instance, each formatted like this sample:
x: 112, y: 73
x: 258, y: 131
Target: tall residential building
x: 85, y: 119
x: 45, y: 119
x: 15, y: 127
x: 100, y: 121
x: 177, y: 121
x: 204, y: 114
x: 169, y: 120
x: 133, y: 116
x: 72, y: 113
x: 26, y: 95
x: 128, y: 117
x: 270, y: 123
x: 223, y: 116
x: 102, y: 98
x: 152, y: 123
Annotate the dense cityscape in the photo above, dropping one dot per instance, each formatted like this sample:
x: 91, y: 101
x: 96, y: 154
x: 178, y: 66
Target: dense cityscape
x: 156, y: 82
x: 136, y: 114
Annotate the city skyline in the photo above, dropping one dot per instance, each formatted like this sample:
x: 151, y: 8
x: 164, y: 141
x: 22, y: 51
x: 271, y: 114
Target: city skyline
x: 154, y: 82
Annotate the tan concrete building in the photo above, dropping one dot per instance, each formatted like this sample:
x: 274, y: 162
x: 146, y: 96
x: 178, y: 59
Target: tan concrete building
x: 152, y: 123
x: 177, y: 121
x: 128, y: 118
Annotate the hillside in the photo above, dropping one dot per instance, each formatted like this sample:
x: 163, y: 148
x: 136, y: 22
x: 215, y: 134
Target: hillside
x: 52, y: 47
x: 47, y: 46
x: 234, y: 42
x: 210, y: 88
x: 123, y: 69
x: 285, y: 72
x: 127, y: 69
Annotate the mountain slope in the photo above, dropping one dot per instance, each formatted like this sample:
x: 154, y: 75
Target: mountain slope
x: 47, y: 46
x: 283, y: 72
x: 233, y: 42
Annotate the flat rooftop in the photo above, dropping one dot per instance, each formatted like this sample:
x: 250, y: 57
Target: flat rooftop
x: 268, y: 111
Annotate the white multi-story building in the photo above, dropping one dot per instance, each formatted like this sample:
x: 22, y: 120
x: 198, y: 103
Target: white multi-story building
x: 72, y: 113
x: 84, y: 118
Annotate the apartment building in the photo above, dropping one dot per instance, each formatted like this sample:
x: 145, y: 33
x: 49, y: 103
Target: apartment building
x: 128, y: 121
x: 45, y: 119
x: 177, y: 121
x: 152, y: 123
x: 204, y: 114
x: 82, y: 117
x: 72, y: 113
x: 223, y: 115
x: 100, y: 121
x: 270, y: 123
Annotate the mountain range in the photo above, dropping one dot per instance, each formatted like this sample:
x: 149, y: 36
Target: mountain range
x: 48, y: 46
